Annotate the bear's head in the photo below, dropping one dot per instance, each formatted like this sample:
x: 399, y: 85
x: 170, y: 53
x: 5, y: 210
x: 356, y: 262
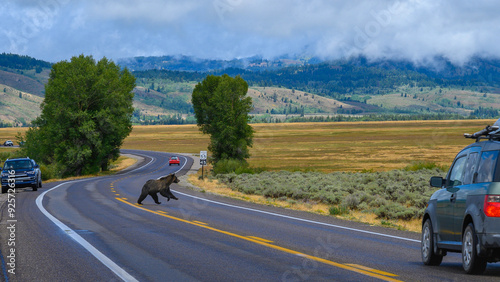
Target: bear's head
x: 176, y: 180
x: 171, y: 178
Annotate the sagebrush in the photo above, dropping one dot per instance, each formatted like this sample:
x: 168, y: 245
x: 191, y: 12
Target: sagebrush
x: 396, y: 194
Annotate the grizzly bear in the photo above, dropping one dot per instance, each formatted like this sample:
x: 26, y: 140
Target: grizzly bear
x: 162, y: 185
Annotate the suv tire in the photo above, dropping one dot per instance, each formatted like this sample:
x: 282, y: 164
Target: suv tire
x: 471, y: 262
x: 428, y: 255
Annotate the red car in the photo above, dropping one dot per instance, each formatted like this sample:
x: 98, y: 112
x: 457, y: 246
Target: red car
x: 174, y: 160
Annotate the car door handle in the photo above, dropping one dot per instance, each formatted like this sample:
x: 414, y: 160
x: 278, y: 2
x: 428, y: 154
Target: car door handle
x: 453, y: 197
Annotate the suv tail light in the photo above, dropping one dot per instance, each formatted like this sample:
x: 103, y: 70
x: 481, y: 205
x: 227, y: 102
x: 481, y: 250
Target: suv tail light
x: 492, y: 205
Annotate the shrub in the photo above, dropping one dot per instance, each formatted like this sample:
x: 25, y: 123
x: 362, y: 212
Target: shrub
x: 229, y: 165
x: 338, y: 210
x: 396, y: 211
x: 49, y: 172
x: 351, y: 202
x: 416, y: 166
x: 393, y: 194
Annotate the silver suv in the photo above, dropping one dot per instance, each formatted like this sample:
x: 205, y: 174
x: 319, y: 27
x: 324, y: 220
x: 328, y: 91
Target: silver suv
x: 8, y: 143
x: 464, y: 215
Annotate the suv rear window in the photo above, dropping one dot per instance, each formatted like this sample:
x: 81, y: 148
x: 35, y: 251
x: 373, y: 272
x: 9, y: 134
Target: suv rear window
x: 487, y: 165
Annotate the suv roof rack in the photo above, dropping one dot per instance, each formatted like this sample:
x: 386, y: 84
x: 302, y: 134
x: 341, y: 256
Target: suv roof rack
x: 489, y: 132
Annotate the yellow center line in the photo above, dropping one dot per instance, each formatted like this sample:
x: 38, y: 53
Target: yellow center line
x: 371, y: 269
x: 196, y: 221
x: 262, y: 243
x: 260, y: 239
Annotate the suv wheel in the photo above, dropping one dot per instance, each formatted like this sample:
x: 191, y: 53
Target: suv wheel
x: 4, y: 189
x: 428, y: 255
x: 471, y: 262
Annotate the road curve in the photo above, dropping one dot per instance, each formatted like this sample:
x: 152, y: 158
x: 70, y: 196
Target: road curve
x: 98, y: 233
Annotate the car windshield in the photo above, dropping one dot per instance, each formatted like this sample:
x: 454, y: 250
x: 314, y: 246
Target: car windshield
x: 174, y: 158
x: 22, y: 164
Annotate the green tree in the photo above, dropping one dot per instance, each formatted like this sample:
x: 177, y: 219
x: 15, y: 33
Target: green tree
x: 222, y: 111
x: 85, y: 116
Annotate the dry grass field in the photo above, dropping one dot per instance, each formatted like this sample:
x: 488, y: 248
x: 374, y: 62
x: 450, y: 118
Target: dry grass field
x: 327, y: 147
x: 9, y: 133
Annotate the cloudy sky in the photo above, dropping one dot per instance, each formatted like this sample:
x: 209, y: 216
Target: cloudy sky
x: 417, y: 30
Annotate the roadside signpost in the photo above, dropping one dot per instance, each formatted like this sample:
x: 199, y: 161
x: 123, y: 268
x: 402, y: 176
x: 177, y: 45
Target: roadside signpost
x: 203, y: 161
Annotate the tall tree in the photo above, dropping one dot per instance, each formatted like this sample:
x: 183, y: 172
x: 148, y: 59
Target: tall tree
x: 222, y: 111
x: 85, y: 116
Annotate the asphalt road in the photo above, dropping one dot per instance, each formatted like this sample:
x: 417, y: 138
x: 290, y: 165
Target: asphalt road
x: 92, y: 230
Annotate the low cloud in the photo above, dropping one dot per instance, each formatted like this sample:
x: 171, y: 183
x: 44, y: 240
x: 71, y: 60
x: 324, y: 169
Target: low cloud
x: 416, y: 30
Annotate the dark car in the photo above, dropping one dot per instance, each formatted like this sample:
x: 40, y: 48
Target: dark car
x: 174, y: 160
x: 21, y: 172
x: 464, y: 215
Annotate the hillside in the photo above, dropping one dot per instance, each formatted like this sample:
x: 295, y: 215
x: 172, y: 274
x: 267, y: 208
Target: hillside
x: 284, y: 87
x: 274, y: 100
x: 17, y: 107
x: 22, y: 82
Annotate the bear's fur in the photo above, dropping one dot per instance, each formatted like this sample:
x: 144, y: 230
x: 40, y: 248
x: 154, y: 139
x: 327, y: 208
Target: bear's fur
x: 162, y: 186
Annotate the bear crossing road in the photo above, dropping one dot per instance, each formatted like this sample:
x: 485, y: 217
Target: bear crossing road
x: 152, y: 187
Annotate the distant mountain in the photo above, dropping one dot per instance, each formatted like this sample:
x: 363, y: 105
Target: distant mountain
x: 187, y: 63
x: 478, y: 71
x: 282, y: 86
x: 380, y: 87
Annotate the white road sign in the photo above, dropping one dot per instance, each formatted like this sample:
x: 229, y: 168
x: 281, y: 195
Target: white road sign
x: 203, y: 155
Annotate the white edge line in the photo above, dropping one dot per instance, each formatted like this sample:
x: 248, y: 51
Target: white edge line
x: 95, y: 252
x: 302, y: 219
x: 295, y: 218
x: 120, y: 272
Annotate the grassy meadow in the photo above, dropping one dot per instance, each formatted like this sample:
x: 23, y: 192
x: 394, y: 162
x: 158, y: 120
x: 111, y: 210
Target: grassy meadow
x: 327, y: 147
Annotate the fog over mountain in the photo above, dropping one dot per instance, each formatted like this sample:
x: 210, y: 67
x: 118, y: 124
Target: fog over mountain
x: 415, y: 30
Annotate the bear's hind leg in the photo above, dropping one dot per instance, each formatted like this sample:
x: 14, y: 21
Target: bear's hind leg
x: 142, y: 197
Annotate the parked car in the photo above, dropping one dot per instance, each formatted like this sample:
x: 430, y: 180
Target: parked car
x: 21, y: 172
x: 464, y: 215
x: 8, y: 143
x: 174, y: 160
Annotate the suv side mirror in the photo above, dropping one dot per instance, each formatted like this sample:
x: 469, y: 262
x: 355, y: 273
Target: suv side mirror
x: 437, y: 181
